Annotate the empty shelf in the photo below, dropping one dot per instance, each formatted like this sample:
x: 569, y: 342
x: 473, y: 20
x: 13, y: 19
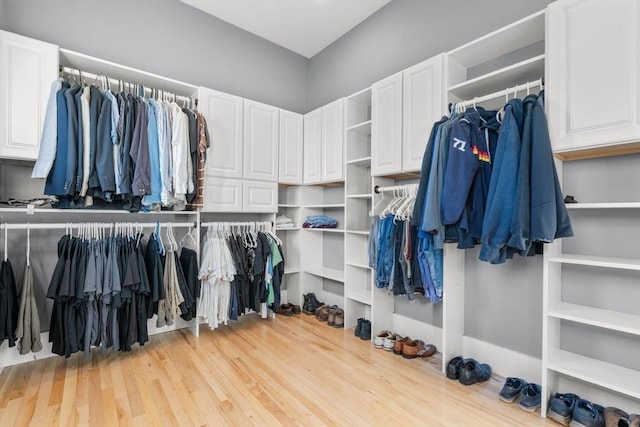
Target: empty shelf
x: 363, y: 128
x: 609, y: 319
x: 326, y: 273
x: 360, y: 296
x: 614, y: 205
x: 598, y: 261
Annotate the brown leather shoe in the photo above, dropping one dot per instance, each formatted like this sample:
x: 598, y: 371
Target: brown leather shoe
x: 323, y: 313
x: 397, y: 347
x: 285, y: 310
x: 417, y: 348
x: 295, y: 308
x: 332, y: 315
x: 338, y: 322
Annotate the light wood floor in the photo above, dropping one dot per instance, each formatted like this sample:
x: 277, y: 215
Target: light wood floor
x: 284, y: 371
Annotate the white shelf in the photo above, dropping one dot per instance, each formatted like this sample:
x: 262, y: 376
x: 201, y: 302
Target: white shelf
x: 361, y: 296
x: 360, y: 196
x: 38, y: 211
x: 363, y: 128
x: 515, y: 36
x: 361, y: 232
x: 355, y: 264
x: 598, y: 261
x: 325, y: 206
x: 614, y: 320
x: 327, y: 273
x: 292, y: 271
x: 326, y: 230
x: 628, y: 205
x: 285, y: 205
x: 361, y: 97
x: 362, y: 161
x: 288, y: 228
x: 519, y: 73
x: 604, y: 374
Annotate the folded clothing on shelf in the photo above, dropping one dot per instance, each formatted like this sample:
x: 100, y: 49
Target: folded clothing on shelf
x: 282, y: 221
x: 320, y: 221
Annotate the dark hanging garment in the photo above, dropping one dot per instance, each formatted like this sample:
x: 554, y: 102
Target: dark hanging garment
x: 55, y: 180
x: 142, y: 297
x: 189, y: 267
x: 8, y: 304
x: 28, y: 329
x: 155, y: 275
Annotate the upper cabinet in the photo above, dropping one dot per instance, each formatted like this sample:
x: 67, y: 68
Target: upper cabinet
x: 224, y: 114
x: 403, y: 110
x: 324, y: 144
x: 261, y: 138
x: 291, y: 143
x: 27, y: 69
x: 593, y: 77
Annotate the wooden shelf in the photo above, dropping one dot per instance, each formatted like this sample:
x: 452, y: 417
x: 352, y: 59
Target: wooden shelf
x: 363, y: 128
x: 613, y: 205
x: 327, y: 273
x: 519, y: 73
x: 608, y: 319
x: 604, y: 374
x: 597, y: 152
x: 363, y: 297
x: 362, y: 161
x: 597, y: 261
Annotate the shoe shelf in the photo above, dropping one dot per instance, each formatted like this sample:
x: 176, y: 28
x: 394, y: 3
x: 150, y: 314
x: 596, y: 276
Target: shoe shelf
x: 624, y: 205
x: 363, y: 128
x: 607, y: 375
x: 597, y: 261
x: 326, y: 273
x: 363, y: 297
x: 608, y: 319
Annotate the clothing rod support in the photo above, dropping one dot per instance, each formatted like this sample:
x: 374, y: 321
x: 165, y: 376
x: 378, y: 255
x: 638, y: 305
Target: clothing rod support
x: 377, y: 189
x: 62, y: 226
x: 503, y: 92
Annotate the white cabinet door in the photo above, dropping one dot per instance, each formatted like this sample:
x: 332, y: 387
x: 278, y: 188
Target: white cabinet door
x: 224, y: 114
x: 332, y: 141
x: 386, y: 126
x: 222, y: 194
x: 27, y: 69
x: 260, y: 196
x: 291, y: 142
x: 422, y: 106
x: 312, y: 147
x: 593, y: 73
x: 260, y: 141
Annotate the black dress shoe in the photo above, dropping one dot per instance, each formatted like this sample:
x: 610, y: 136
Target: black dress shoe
x: 472, y: 372
x: 453, y: 367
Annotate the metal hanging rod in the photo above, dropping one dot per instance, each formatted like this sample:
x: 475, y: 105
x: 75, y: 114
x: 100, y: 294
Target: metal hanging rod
x: 236, y: 224
x: 377, y: 189
x: 80, y: 73
x: 63, y: 226
x: 504, y: 92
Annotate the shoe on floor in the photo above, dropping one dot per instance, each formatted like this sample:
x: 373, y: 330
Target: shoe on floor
x: 511, y: 389
x: 561, y: 407
x: 530, y: 397
x: 472, y: 372
x: 295, y: 308
x: 365, y: 330
x: 332, y: 315
x: 614, y: 417
x: 285, y: 310
x: 378, y: 341
x: 453, y: 367
x: 417, y: 348
x: 358, y: 329
x: 397, y: 347
x: 390, y: 342
x: 322, y: 313
x: 338, y: 320
x: 634, y: 420
x: 587, y: 414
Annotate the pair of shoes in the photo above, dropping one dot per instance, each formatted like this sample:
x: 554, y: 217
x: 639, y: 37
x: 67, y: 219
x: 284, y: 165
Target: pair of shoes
x: 561, y: 407
x: 587, y: 414
x: 336, y: 317
x: 468, y: 371
x: 285, y: 310
x: 530, y: 394
x: 379, y: 340
x: 614, y: 417
x: 311, y: 304
x: 398, y: 346
x: 322, y: 312
x: 363, y: 329
x: 417, y: 348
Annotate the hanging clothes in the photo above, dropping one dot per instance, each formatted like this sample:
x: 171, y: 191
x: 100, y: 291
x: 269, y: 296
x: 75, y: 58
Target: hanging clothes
x: 8, y: 304
x: 28, y: 326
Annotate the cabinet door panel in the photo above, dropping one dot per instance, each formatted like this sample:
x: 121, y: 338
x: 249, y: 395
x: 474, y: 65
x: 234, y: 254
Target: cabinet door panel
x: 224, y: 114
x: 222, y: 194
x: 422, y: 105
x: 312, y: 146
x: 27, y: 69
x: 332, y: 141
x: 593, y: 96
x: 386, y: 126
x: 260, y: 141
x: 260, y: 196
x: 291, y: 143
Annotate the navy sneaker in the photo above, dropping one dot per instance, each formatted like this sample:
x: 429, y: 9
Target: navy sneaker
x: 530, y: 397
x: 453, y: 367
x: 511, y: 389
x: 587, y: 414
x: 472, y: 372
x: 561, y: 407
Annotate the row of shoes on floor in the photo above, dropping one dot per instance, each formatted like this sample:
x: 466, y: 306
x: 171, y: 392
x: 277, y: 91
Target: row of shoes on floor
x: 288, y: 309
x: 468, y: 371
x: 405, y: 346
x: 332, y: 314
x: 567, y: 409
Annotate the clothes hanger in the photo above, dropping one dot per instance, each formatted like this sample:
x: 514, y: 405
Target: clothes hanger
x: 372, y: 212
x: 6, y: 238
x: 28, y: 245
x: 190, y: 236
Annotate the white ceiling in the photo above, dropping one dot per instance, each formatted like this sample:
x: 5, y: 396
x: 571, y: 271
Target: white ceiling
x: 303, y: 26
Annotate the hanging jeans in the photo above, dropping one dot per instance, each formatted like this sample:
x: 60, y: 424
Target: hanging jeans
x: 384, y: 264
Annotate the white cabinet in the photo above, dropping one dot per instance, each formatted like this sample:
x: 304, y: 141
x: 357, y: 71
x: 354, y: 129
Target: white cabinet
x: 224, y: 114
x: 27, y: 69
x: 260, y: 141
x: 332, y: 141
x: 291, y: 143
x: 313, y: 146
x: 386, y: 126
x: 593, y: 74
x: 222, y: 194
x: 422, y: 106
x: 259, y: 196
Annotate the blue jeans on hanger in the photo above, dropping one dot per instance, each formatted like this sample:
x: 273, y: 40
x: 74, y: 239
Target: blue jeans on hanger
x: 384, y: 264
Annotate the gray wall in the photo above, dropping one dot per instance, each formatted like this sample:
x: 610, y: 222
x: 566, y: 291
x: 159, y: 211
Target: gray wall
x: 168, y: 38
x: 402, y: 34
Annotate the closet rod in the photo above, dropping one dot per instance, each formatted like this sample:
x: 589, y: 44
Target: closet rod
x: 93, y: 76
x: 62, y: 226
x: 241, y: 224
x: 503, y: 92
x: 377, y: 189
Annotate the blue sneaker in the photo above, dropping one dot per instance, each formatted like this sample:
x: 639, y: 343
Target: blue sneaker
x: 530, y: 397
x: 511, y: 389
x: 587, y: 414
x: 561, y: 407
